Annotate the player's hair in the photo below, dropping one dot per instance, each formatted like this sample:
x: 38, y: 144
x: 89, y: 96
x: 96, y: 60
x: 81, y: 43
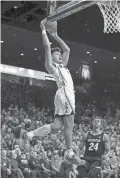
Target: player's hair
x: 97, y: 117
x: 56, y: 49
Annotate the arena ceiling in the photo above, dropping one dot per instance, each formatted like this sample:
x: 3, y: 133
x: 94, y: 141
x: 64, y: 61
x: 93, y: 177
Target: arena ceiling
x: 85, y: 28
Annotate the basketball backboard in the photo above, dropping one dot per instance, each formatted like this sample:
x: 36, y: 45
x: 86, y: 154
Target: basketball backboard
x: 61, y: 9
x: 110, y: 10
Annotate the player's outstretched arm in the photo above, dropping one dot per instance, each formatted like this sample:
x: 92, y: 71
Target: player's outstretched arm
x: 83, y: 141
x: 63, y: 45
x: 65, y: 48
x: 48, y: 59
x: 107, y: 143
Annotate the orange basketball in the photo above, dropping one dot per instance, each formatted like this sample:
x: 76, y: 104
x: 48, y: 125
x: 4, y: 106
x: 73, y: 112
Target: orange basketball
x: 51, y: 27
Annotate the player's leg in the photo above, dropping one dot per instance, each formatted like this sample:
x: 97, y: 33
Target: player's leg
x: 56, y: 125
x: 83, y: 170
x: 68, y: 131
x: 93, y: 172
x: 46, y: 129
x: 62, y: 107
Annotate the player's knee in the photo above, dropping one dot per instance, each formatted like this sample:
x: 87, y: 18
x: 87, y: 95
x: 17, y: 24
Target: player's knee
x: 68, y: 122
x: 55, y: 127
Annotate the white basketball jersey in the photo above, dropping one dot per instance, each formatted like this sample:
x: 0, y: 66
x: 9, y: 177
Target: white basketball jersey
x: 63, y: 77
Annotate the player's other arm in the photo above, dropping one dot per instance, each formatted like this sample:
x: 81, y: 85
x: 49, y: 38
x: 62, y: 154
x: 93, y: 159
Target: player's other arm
x: 65, y: 48
x: 48, y: 59
x: 83, y: 141
x: 107, y: 144
x: 63, y: 45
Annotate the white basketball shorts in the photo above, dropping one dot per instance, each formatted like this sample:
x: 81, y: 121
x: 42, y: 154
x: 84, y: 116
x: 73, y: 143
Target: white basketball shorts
x: 64, y: 102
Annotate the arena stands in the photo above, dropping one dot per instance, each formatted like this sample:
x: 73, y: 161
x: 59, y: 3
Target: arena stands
x: 43, y: 156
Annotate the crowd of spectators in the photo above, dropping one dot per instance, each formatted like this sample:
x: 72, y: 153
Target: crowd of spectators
x: 43, y: 156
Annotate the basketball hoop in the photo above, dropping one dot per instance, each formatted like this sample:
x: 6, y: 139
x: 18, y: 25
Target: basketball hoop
x: 110, y: 10
x: 111, y: 14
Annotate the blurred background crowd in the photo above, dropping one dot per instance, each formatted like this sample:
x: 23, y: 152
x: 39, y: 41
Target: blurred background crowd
x: 21, y: 111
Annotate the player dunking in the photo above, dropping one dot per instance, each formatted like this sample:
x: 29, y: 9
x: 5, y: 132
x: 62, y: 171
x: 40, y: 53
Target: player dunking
x: 97, y: 145
x: 55, y: 64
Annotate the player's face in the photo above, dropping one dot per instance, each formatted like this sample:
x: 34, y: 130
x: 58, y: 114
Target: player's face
x: 97, y: 123
x: 57, y: 57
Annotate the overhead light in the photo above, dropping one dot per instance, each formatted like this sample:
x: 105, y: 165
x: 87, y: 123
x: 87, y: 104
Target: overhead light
x: 22, y: 54
x: 76, y: 72
x: 88, y: 52
x: 114, y: 57
x: 95, y: 61
x: 15, y: 7
x: 35, y: 49
x: 1, y: 41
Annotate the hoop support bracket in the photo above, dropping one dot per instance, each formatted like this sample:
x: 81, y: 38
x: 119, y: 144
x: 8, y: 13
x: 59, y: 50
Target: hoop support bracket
x: 69, y: 8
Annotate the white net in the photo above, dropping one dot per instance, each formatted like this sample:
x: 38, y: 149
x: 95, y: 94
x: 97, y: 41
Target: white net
x: 111, y: 14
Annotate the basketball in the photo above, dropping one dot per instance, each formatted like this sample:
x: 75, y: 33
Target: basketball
x: 51, y: 27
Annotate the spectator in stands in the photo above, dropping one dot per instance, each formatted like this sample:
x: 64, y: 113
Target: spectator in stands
x: 65, y: 168
x: 23, y: 165
x: 18, y: 152
x: 34, y: 165
x: 46, y: 165
x: 38, y: 147
x: 33, y: 123
x: 5, y: 164
x: 27, y: 147
x: 56, y: 161
x: 18, y: 112
x: 14, y: 166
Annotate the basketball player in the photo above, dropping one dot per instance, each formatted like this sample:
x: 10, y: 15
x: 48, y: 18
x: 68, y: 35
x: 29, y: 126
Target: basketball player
x: 55, y: 64
x: 97, y: 145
